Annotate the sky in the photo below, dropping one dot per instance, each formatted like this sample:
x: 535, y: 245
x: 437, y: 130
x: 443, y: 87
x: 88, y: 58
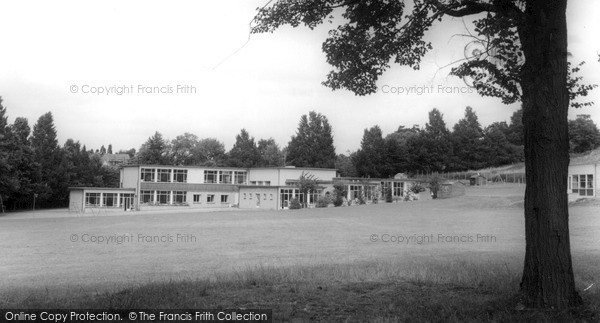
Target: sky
x: 191, y: 66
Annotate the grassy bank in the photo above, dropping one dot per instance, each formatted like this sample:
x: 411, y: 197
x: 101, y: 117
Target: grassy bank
x: 419, y: 291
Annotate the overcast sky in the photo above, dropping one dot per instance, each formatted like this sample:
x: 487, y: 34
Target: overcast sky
x: 55, y: 51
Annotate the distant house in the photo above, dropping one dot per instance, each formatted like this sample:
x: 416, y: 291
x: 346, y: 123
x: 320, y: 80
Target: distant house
x: 115, y: 160
x: 583, y: 175
x: 477, y: 179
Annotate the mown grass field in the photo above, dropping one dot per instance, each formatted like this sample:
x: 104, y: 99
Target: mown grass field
x: 334, y: 264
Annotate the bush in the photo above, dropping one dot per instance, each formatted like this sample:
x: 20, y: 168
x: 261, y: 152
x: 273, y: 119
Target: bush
x: 388, y: 194
x: 295, y: 204
x: 338, y: 201
x: 323, y: 201
x: 417, y: 188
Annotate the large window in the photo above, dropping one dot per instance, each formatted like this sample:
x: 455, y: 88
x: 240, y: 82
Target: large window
x: 210, y: 198
x: 180, y: 175
x: 225, y: 177
x: 286, y: 196
x: 210, y: 176
x: 164, y: 175
x: 92, y: 199
x: 240, y: 177
x: 355, y: 191
x: 147, y: 174
x: 179, y: 197
x: 147, y: 197
x: 162, y: 197
x: 398, y: 188
x: 224, y: 198
x: 109, y: 199
x: 583, y: 184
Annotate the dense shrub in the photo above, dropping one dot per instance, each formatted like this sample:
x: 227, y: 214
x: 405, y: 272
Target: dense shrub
x: 338, y: 201
x: 295, y: 204
x: 323, y: 201
x: 388, y: 194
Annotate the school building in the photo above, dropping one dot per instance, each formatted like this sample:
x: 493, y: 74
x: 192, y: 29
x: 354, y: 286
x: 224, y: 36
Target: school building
x: 144, y: 187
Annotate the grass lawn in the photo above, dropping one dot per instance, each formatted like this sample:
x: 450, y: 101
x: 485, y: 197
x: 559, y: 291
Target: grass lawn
x: 458, y: 259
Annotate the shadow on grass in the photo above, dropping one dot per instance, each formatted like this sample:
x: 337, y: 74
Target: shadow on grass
x: 431, y: 291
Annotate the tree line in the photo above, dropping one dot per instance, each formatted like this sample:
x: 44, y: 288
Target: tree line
x: 33, y: 164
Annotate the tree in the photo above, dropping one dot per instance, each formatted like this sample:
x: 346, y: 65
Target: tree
x: 345, y: 166
x: 184, y: 150
x: 496, y: 147
x: 524, y: 59
x: 583, y: 134
x: 210, y: 152
x: 244, y: 152
x: 8, y: 181
x: 49, y: 175
x: 467, y: 142
x: 102, y: 150
x: 270, y: 154
x: 515, y: 129
x: 430, y: 150
x: 307, y: 184
x: 22, y: 162
x: 312, y: 146
x: 154, y: 151
x: 109, y: 150
x: 371, y: 158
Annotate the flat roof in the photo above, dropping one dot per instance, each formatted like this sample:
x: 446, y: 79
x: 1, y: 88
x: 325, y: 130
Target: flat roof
x: 222, y: 167
x: 101, y: 188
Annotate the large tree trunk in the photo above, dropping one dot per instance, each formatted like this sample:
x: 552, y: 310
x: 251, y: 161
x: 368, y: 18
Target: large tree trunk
x: 548, y: 272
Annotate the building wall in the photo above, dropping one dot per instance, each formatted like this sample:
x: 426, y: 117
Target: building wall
x: 295, y: 173
x: 265, y: 175
x: 76, y: 201
x: 265, y: 198
x: 129, y: 177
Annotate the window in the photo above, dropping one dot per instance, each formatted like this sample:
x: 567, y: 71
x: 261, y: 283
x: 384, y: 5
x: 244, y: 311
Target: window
x: 179, y: 197
x: 224, y: 198
x: 197, y: 198
x: 164, y: 175
x: 240, y: 177
x: 92, y: 199
x: 147, y: 174
x: 355, y: 191
x: 210, y: 198
x: 162, y: 197
x: 252, y: 182
x: 244, y: 196
x: 265, y: 197
x: 271, y: 197
x: 180, y: 175
x: 398, y: 188
x: 147, y: 196
x: 210, y: 176
x: 583, y: 184
x: 225, y: 177
x: 286, y: 197
x: 126, y: 200
x: 268, y: 183
x: 109, y: 199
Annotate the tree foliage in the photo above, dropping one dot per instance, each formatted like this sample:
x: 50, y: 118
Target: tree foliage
x: 244, y: 152
x: 583, y: 134
x: 312, y: 145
